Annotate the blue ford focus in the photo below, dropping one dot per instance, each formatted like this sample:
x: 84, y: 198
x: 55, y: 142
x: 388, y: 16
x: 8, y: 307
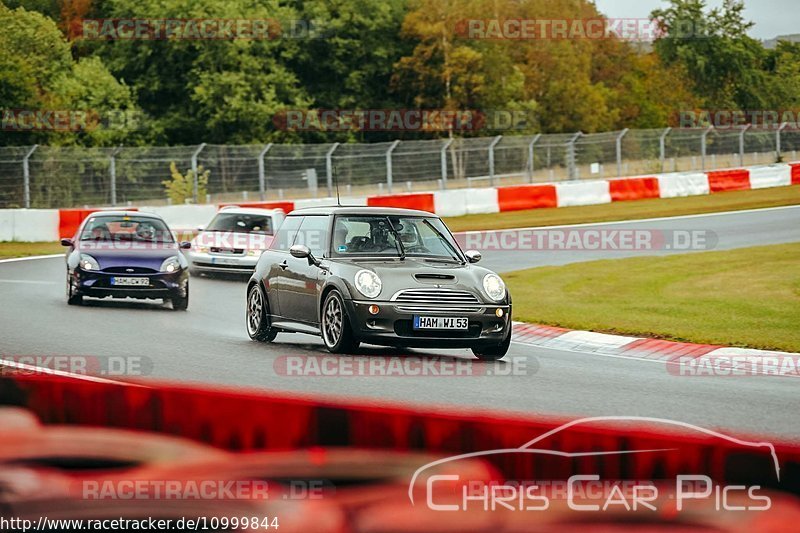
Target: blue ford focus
x: 123, y: 254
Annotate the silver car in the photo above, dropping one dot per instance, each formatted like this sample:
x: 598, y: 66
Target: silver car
x: 233, y: 240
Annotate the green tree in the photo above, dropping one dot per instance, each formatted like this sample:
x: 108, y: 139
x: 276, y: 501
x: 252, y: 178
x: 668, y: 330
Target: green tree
x: 722, y: 61
x: 219, y: 91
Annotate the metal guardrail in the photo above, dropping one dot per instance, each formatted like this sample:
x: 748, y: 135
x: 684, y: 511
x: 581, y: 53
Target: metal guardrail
x: 49, y: 176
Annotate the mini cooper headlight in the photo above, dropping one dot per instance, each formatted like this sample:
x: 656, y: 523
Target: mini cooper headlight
x: 368, y: 283
x: 171, y: 264
x: 88, y: 262
x: 494, y: 287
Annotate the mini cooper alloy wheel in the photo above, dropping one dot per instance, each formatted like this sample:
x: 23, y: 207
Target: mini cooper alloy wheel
x: 336, y: 333
x: 257, y: 326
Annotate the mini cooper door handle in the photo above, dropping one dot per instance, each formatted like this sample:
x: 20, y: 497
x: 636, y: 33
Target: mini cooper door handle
x: 284, y: 265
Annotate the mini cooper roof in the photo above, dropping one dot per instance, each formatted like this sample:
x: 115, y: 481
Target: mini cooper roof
x: 360, y: 210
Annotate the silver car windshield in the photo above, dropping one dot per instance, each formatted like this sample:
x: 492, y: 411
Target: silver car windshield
x: 376, y: 235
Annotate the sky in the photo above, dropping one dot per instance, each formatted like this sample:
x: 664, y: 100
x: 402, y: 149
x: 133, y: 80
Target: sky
x: 772, y: 17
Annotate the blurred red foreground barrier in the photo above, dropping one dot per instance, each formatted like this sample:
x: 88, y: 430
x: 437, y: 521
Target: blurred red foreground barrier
x: 238, y: 420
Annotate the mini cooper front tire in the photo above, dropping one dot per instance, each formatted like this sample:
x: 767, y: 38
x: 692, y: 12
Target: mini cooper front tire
x: 335, y: 325
x: 493, y: 353
x: 258, y: 327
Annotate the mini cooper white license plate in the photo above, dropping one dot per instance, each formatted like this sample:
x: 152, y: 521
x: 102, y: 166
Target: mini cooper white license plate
x: 130, y: 282
x: 440, y: 322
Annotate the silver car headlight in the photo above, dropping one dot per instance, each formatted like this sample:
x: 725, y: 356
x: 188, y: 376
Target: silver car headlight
x: 368, y: 283
x: 87, y: 262
x: 494, y: 287
x: 171, y: 264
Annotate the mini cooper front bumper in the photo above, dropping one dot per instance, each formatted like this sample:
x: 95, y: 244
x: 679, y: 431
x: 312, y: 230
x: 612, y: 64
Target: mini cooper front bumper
x: 393, y: 324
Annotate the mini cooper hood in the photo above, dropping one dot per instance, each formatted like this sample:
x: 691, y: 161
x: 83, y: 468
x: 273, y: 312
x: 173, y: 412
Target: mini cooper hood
x: 110, y: 255
x: 424, y: 271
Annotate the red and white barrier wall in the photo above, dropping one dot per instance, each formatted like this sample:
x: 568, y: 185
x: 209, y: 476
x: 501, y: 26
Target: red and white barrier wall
x: 29, y: 225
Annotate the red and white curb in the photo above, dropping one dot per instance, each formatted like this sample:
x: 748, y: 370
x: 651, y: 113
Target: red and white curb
x: 692, y: 359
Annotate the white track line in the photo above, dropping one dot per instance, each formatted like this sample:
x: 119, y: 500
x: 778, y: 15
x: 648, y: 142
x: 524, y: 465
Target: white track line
x: 636, y: 220
x: 29, y: 258
x: 29, y: 281
x: 643, y: 359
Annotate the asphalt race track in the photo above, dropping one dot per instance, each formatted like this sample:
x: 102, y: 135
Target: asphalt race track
x: 208, y: 344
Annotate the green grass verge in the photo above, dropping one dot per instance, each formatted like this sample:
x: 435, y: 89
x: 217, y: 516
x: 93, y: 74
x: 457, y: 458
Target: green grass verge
x: 748, y: 297
x: 638, y: 209
x: 25, y: 249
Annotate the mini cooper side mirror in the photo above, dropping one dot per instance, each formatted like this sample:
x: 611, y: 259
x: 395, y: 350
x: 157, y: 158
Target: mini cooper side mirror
x: 186, y: 245
x: 67, y: 242
x: 200, y: 229
x: 473, y: 256
x: 302, y: 252
x: 299, y: 251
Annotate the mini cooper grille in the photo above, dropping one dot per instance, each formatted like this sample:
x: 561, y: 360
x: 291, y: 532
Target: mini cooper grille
x: 444, y: 300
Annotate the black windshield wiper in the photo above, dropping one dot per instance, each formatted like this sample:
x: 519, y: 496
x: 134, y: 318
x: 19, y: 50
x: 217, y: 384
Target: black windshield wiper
x: 454, y: 253
x: 399, y: 244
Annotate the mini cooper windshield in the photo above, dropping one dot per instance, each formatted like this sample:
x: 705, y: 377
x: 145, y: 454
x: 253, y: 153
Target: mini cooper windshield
x: 396, y: 236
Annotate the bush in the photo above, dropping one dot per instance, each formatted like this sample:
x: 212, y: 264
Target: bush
x: 180, y: 188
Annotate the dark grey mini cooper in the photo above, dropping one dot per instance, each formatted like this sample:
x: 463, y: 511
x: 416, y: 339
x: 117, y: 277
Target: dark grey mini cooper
x: 385, y: 276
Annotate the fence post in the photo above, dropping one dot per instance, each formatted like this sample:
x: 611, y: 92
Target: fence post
x: 112, y: 171
x: 741, y: 143
x: 491, y: 158
x: 571, y: 159
x: 26, y: 176
x: 389, y: 177
x: 443, y: 160
x: 662, y: 147
x: 778, y: 141
x: 329, y: 168
x: 619, y: 152
x: 194, y: 170
x: 262, y: 179
x: 704, y: 146
x: 530, y: 156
